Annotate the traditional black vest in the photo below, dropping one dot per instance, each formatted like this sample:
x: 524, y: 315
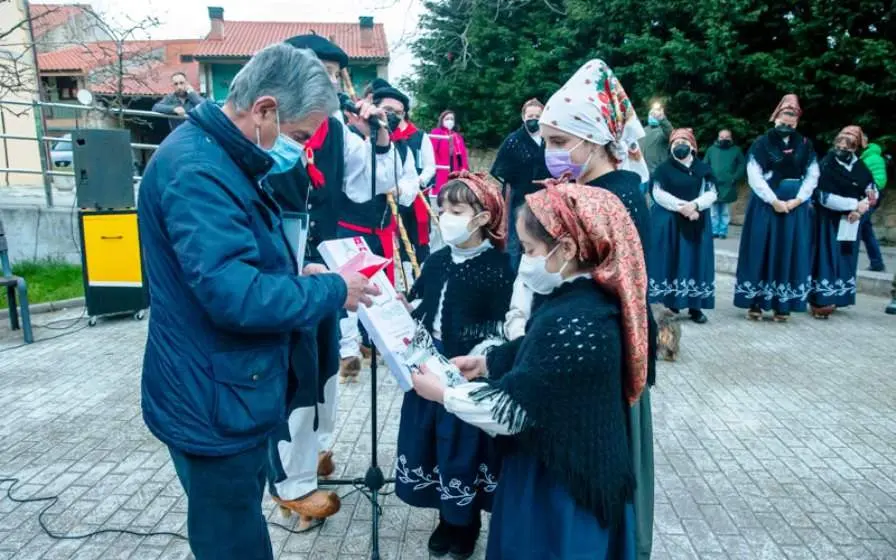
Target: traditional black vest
x: 415, y: 143
x: 374, y: 214
x: 294, y: 193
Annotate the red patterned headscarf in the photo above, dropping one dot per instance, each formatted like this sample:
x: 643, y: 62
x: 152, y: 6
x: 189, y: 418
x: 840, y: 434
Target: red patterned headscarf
x: 686, y: 134
x: 598, y: 223
x: 789, y: 103
x: 854, y: 137
x: 489, y: 195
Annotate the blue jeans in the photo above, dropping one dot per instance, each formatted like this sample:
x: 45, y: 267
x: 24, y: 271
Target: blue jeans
x: 866, y: 234
x: 721, y: 217
x: 224, y: 517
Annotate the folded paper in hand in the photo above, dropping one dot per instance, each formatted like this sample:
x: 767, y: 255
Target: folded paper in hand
x: 847, y: 231
x: 421, y: 351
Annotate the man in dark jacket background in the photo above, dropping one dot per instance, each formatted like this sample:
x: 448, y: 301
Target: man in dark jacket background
x: 226, y: 295
x: 182, y: 100
x: 729, y: 168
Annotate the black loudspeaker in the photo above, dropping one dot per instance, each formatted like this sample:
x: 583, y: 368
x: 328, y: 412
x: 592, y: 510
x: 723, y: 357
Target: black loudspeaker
x: 104, y: 168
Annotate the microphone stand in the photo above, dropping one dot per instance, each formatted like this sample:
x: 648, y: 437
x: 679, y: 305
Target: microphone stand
x: 373, y: 481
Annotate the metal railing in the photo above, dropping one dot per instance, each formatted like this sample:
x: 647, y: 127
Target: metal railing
x: 47, y: 169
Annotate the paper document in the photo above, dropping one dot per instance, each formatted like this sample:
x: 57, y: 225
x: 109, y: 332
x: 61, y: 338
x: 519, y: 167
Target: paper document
x: 847, y: 231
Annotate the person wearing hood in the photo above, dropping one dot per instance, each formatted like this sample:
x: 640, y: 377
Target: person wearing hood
x: 414, y: 143
x: 682, y: 264
x: 591, y: 135
x: 655, y: 142
x: 845, y: 193
x: 450, y: 150
x: 519, y: 165
x: 775, y: 256
x: 460, y: 298
x: 872, y: 157
x: 729, y: 168
x: 561, y: 395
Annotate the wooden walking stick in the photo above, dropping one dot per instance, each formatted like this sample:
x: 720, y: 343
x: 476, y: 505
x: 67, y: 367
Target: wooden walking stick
x: 408, y: 246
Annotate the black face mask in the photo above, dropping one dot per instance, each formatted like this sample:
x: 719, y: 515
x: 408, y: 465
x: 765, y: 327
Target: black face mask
x: 681, y: 151
x: 784, y: 130
x: 725, y: 143
x: 843, y: 155
x: 394, y: 121
x: 532, y: 125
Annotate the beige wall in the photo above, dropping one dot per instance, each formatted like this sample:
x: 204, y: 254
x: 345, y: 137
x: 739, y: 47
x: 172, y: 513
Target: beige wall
x: 21, y: 154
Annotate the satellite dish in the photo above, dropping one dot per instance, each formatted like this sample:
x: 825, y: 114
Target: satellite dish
x: 85, y: 97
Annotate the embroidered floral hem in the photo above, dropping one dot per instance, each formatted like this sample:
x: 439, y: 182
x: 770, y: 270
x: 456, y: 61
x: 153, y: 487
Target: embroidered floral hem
x: 456, y: 492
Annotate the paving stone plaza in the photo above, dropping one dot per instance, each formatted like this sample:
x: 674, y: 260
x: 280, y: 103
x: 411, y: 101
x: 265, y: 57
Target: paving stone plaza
x: 772, y: 442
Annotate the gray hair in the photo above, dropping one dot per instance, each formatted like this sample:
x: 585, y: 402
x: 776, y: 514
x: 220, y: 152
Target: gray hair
x: 294, y: 77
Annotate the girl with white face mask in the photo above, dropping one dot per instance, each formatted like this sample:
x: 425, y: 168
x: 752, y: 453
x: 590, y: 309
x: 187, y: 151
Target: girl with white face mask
x: 560, y: 393
x: 461, y: 298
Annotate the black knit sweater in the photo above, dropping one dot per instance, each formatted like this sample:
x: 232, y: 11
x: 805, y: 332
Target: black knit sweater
x: 560, y: 390
x: 477, y: 298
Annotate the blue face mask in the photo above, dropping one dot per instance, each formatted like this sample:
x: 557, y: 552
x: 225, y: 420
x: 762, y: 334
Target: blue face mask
x: 286, y: 152
x: 653, y: 121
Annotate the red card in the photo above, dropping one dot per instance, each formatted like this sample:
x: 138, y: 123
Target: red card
x: 366, y: 264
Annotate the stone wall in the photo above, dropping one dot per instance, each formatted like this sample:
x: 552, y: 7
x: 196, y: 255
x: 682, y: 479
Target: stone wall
x: 884, y: 218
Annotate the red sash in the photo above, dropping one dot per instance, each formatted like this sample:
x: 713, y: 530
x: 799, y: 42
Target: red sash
x: 386, y: 237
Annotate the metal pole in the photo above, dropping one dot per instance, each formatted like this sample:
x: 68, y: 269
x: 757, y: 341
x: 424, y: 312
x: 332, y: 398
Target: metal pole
x: 45, y: 160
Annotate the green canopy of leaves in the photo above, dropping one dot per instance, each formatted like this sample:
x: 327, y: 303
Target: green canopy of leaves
x: 714, y: 64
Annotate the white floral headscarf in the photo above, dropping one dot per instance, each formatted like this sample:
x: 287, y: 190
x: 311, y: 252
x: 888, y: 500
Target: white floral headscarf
x: 593, y: 106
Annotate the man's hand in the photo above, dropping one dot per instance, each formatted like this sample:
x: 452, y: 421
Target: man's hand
x: 863, y: 206
x: 853, y: 217
x: 179, y: 111
x: 780, y: 207
x: 360, y: 290
x: 361, y: 121
x: 470, y: 366
x: 314, y: 268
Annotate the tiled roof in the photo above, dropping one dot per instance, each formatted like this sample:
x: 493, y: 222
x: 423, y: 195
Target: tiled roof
x: 46, y: 17
x: 245, y: 38
x: 83, y: 58
x: 154, y: 79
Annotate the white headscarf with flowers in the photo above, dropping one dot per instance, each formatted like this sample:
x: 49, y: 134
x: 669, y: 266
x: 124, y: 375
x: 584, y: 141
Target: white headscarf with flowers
x: 593, y: 106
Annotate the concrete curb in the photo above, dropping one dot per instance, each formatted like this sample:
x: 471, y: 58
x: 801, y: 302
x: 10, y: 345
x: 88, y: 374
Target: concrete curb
x: 48, y: 307
x: 871, y: 283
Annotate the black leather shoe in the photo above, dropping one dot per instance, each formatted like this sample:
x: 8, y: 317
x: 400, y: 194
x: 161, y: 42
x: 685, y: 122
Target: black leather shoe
x: 441, y: 539
x: 464, y: 542
x: 698, y: 316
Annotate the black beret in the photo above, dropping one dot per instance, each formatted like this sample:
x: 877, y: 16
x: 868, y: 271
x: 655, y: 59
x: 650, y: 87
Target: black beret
x: 391, y: 93
x: 379, y: 83
x: 324, y: 49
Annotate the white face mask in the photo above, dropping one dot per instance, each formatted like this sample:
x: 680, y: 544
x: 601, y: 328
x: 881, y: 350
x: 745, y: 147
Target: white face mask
x: 448, y: 123
x: 535, y: 275
x: 455, y: 229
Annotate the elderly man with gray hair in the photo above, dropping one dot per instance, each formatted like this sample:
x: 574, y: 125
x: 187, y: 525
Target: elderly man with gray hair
x: 227, y: 298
